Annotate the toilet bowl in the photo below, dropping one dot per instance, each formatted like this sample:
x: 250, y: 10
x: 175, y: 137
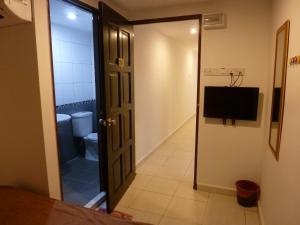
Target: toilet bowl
x: 83, y: 128
x: 91, y: 147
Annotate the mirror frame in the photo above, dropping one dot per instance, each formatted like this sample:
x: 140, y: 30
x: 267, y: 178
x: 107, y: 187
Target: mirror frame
x: 284, y: 28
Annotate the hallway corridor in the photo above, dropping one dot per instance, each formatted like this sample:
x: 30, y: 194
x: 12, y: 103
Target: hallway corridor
x: 162, y: 192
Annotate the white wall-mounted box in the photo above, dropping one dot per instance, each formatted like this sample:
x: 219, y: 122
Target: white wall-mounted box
x: 14, y: 12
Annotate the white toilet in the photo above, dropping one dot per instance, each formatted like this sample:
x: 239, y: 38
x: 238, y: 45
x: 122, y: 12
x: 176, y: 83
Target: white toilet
x: 83, y: 127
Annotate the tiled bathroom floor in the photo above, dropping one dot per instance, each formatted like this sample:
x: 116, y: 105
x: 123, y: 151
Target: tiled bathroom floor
x: 162, y: 191
x: 80, y: 180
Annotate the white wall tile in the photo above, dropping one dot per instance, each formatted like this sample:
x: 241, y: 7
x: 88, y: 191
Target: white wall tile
x: 67, y: 72
x: 93, y: 74
x: 79, y: 95
x: 82, y: 73
x: 94, y: 91
x: 68, y: 93
x: 73, y: 65
x: 57, y: 67
x: 56, y: 51
x: 81, y: 53
x: 59, y: 94
x: 67, y: 51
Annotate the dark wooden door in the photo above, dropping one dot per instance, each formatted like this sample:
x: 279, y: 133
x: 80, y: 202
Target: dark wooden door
x: 117, y: 113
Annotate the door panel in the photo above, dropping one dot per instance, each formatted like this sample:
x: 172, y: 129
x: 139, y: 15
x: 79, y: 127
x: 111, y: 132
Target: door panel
x: 127, y: 126
x: 125, y: 42
x: 115, y: 94
x: 117, y: 171
x: 126, y: 88
x: 113, y: 44
x: 116, y: 133
x: 118, y: 111
x: 128, y: 161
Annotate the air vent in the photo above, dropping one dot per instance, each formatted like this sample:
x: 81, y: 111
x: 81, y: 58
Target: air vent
x: 214, y: 21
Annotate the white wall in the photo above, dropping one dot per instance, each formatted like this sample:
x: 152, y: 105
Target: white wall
x: 43, y: 49
x: 22, y: 153
x: 73, y: 57
x: 165, y: 87
x: 280, y: 180
x: 227, y: 154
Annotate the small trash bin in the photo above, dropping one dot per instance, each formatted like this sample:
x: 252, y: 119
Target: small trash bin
x: 248, y: 193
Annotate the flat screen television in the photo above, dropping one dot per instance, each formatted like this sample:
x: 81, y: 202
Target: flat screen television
x: 237, y: 103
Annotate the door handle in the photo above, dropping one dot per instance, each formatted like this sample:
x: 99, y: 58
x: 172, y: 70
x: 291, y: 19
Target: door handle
x: 111, y: 122
x: 107, y: 123
x: 102, y: 122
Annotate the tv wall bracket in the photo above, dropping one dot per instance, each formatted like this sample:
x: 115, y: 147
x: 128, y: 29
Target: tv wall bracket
x: 233, y: 122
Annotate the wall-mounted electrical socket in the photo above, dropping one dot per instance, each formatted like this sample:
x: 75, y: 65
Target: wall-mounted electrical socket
x: 224, y: 71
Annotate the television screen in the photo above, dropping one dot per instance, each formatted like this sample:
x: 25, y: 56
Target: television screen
x: 239, y: 103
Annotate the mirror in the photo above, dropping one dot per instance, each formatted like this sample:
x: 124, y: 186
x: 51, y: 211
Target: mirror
x: 281, y: 60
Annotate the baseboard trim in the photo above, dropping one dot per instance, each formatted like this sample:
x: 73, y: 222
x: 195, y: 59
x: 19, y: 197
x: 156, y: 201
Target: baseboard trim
x: 260, y: 214
x: 139, y: 162
x: 216, y: 189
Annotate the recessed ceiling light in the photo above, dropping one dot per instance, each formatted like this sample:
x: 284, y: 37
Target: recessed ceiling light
x: 71, y: 16
x: 193, y: 31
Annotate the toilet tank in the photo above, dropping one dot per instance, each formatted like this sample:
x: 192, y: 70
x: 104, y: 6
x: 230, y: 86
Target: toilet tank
x: 82, y: 124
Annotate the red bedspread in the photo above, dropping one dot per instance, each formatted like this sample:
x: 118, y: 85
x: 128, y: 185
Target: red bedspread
x: 19, y: 207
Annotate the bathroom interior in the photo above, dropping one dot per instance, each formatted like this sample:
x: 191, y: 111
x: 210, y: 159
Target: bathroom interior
x: 75, y: 95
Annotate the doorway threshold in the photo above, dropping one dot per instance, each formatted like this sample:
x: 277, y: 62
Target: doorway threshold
x: 96, y: 201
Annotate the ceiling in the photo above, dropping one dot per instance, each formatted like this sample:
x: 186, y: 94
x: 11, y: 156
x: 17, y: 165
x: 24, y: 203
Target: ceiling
x: 59, y: 11
x: 133, y: 5
x: 179, y: 31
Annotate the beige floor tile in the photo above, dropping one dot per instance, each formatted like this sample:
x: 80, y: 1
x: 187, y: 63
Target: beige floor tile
x: 162, y: 185
x: 149, y: 170
x: 151, y: 202
x: 252, y: 209
x: 144, y: 217
x: 121, y: 209
x: 171, y: 172
x: 172, y: 221
x: 140, y: 181
x: 189, y: 175
x: 186, y: 210
x: 252, y: 218
x: 167, y: 149
x: 157, y: 159
x: 178, y: 164
x: 184, y: 155
x: 159, y: 153
x: 185, y: 190
x: 223, y: 210
x: 224, y: 216
x: 130, y: 195
x: 226, y: 200
x: 182, y: 146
